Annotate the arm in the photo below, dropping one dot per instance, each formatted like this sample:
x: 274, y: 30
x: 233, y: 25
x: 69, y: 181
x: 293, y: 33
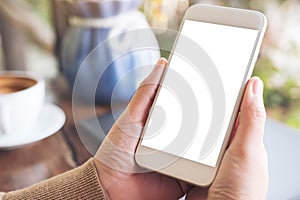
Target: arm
x: 79, y: 183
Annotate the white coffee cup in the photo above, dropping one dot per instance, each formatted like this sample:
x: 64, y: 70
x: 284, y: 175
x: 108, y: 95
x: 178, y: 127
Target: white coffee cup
x: 22, y: 96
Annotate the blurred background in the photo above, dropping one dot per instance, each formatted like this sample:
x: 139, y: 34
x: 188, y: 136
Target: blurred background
x: 29, y: 30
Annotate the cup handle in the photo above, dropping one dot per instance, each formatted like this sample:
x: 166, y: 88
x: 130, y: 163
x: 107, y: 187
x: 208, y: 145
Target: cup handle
x: 4, y: 116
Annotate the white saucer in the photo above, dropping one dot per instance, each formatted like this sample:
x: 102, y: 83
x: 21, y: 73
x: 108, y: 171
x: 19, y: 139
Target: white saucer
x: 51, y: 119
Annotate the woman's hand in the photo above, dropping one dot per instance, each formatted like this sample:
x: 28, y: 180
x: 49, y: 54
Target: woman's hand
x: 243, y: 172
x: 118, y: 172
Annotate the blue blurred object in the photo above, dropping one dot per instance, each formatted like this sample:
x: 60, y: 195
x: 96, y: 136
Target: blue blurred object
x: 104, y: 29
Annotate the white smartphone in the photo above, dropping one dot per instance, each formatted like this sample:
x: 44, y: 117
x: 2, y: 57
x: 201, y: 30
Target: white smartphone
x: 194, y: 111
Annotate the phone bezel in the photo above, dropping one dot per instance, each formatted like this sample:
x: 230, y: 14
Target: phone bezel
x: 197, y: 173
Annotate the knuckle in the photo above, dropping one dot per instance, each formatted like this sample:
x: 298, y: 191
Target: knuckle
x: 257, y: 113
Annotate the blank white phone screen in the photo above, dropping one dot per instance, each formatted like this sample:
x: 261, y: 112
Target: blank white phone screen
x: 229, y: 49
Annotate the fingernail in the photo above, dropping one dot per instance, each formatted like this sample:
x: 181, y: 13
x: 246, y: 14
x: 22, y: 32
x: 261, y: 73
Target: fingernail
x: 160, y: 62
x: 257, y: 87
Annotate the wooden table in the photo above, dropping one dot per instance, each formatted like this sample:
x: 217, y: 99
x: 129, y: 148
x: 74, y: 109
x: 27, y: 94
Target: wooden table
x: 51, y: 156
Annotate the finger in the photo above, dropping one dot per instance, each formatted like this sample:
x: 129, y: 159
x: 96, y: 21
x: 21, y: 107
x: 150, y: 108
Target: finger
x: 252, y: 116
x: 133, y: 118
x: 117, y: 150
x: 244, y: 167
x: 141, y: 102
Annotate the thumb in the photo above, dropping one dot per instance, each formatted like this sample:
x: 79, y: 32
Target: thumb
x: 117, y: 149
x: 244, y: 168
x: 251, y: 118
x: 134, y: 117
x: 140, y: 104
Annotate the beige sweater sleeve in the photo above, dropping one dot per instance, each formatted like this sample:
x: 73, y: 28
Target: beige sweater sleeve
x: 79, y: 183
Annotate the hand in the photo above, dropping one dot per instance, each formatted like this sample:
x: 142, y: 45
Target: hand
x: 243, y: 172
x: 121, y: 178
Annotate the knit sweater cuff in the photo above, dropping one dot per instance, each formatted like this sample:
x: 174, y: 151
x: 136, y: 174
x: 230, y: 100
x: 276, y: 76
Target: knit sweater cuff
x: 79, y: 183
